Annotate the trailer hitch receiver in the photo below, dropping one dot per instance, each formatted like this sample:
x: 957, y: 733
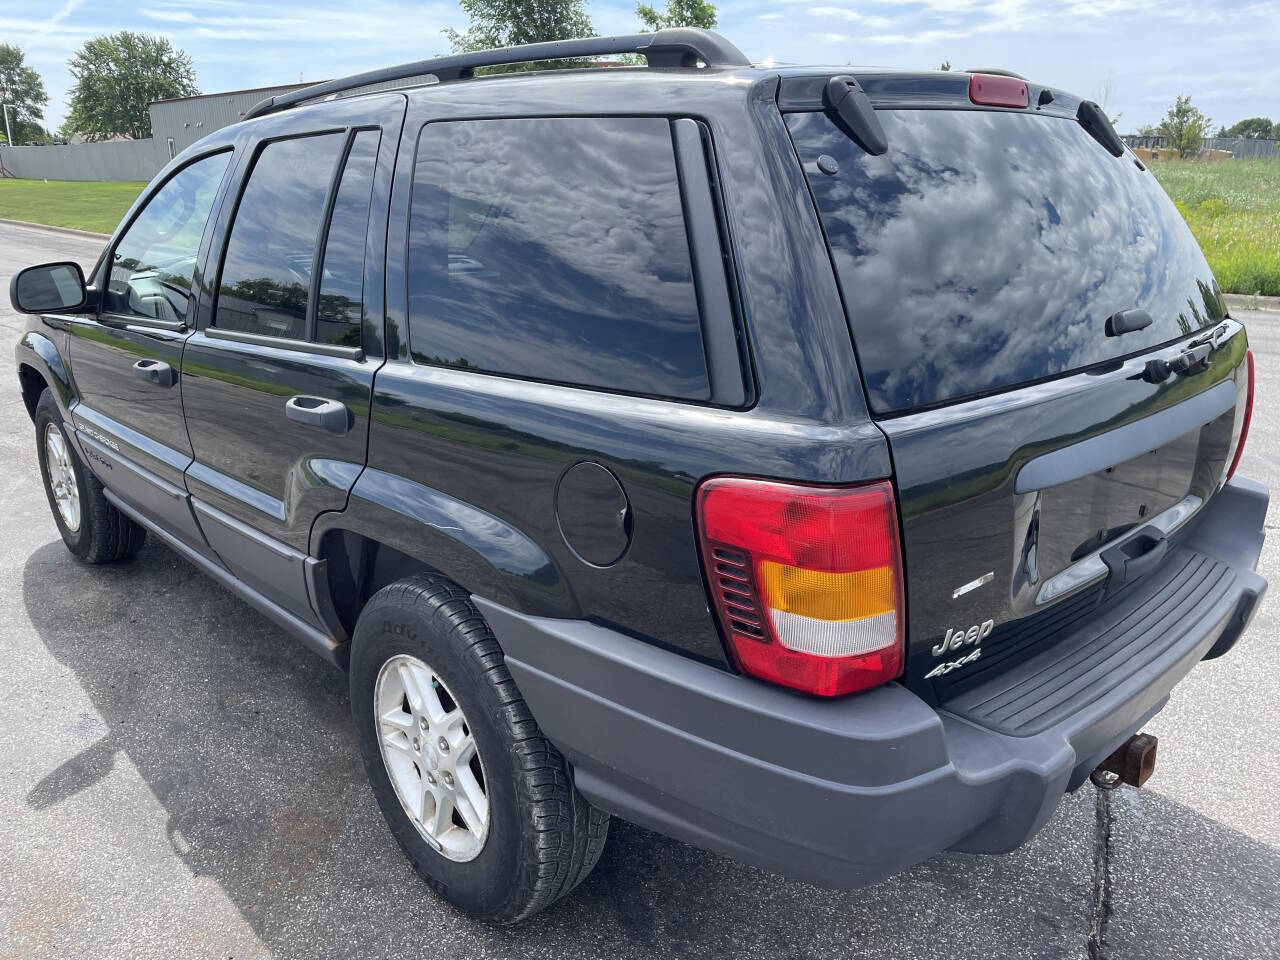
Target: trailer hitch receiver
x: 1133, y: 763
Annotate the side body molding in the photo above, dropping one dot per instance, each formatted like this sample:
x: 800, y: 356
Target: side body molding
x: 484, y: 553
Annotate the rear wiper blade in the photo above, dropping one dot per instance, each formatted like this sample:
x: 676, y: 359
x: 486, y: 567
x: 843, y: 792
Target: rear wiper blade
x: 1212, y: 337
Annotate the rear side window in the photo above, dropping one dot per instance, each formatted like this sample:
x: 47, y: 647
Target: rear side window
x: 342, y: 272
x: 555, y: 249
x: 988, y: 249
x: 266, y: 275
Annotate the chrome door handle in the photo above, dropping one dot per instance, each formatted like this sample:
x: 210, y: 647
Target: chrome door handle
x: 155, y: 371
x: 330, y: 415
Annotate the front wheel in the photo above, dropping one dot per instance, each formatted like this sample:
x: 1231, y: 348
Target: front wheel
x: 91, y: 527
x: 483, y: 805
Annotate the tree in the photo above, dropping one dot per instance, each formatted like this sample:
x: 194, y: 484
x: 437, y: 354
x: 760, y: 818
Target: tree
x: 1148, y: 130
x: 945, y: 66
x: 116, y: 77
x: 505, y: 23
x: 1185, y: 126
x: 23, y: 90
x: 1255, y: 128
x: 679, y: 13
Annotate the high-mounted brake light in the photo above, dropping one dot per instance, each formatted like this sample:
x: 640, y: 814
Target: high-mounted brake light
x: 806, y: 581
x: 992, y: 90
x: 1248, y: 414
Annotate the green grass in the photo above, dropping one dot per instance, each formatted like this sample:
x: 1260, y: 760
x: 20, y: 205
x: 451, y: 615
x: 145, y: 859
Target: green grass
x: 1233, y: 208
x: 85, y: 205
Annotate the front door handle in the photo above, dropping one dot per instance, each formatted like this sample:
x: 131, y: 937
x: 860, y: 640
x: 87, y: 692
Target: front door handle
x: 330, y: 415
x: 155, y: 371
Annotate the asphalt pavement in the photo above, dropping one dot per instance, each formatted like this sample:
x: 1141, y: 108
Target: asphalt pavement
x: 178, y: 778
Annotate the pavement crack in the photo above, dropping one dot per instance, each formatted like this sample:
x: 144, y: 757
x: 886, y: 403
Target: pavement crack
x: 1101, y: 914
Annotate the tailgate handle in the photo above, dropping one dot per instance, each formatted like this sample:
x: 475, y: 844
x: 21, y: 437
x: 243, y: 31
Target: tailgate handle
x: 1127, y: 321
x: 1138, y: 555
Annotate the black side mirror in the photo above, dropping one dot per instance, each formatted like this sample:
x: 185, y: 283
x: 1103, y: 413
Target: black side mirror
x: 48, y: 288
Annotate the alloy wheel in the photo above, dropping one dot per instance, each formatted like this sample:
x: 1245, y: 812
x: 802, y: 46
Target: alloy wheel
x: 431, y: 757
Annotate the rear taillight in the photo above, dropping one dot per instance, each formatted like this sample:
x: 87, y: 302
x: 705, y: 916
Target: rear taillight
x: 806, y: 581
x: 1248, y: 414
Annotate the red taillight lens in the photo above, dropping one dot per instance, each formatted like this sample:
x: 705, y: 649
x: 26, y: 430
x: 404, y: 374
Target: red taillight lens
x: 993, y: 90
x: 1248, y: 415
x: 806, y: 581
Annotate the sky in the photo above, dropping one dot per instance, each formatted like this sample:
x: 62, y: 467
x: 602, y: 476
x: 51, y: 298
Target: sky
x: 1133, y: 56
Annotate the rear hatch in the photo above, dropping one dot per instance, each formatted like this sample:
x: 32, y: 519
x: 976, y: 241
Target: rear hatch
x: 1042, y: 459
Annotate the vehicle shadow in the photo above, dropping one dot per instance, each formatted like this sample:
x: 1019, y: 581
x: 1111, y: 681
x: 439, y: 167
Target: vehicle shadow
x: 245, y: 739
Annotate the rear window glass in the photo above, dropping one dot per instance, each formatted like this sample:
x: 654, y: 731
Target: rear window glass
x: 987, y: 249
x: 555, y: 249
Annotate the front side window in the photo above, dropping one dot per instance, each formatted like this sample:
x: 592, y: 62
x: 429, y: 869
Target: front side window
x: 266, y: 274
x: 154, y: 262
x: 555, y: 249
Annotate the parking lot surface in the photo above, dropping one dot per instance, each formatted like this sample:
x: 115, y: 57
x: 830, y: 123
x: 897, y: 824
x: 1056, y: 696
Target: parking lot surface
x: 178, y: 778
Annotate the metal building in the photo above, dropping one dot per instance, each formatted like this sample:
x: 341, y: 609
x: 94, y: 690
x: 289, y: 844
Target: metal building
x: 179, y: 122
x: 175, y: 125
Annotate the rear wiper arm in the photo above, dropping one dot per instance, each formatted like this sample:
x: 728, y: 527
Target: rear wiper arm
x: 1193, y: 359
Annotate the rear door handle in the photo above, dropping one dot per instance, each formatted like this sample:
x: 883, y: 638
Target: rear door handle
x: 330, y: 415
x: 155, y: 371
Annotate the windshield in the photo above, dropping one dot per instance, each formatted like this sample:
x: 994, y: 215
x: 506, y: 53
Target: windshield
x: 987, y: 249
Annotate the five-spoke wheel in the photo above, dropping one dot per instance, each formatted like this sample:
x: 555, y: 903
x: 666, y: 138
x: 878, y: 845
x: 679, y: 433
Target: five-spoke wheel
x: 431, y: 757
x: 62, y: 477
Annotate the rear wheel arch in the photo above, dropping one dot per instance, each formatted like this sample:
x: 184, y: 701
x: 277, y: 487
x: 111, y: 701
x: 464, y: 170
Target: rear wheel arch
x: 377, y: 541
x: 357, y: 566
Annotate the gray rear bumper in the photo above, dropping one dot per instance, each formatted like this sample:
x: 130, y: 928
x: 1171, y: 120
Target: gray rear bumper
x: 849, y: 791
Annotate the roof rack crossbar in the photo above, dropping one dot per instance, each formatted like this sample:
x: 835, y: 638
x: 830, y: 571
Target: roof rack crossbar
x: 674, y: 47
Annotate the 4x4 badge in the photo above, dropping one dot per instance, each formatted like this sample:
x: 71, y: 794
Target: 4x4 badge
x: 942, y: 669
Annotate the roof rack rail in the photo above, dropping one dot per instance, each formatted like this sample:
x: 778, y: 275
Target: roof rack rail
x: 673, y: 47
x: 995, y: 72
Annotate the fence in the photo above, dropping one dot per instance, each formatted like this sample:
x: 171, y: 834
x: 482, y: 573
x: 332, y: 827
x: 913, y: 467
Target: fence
x: 112, y: 160
x: 1238, y: 146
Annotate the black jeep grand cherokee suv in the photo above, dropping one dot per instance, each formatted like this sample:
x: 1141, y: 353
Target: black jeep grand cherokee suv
x: 824, y: 468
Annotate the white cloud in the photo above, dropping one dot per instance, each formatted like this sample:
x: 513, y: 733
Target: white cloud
x: 853, y: 16
x: 1222, y: 52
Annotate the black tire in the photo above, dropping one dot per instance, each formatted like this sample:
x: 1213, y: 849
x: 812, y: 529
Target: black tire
x: 544, y: 837
x: 104, y: 535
